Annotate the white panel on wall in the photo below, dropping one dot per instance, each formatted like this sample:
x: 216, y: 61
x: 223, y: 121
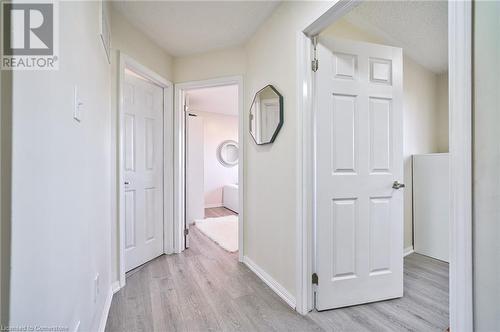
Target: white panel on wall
x: 431, y: 200
x: 344, y: 134
x: 380, y: 134
x: 344, y: 238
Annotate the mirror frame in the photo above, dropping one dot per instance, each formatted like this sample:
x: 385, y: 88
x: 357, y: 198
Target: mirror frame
x: 219, y: 153
x: 282, y: 113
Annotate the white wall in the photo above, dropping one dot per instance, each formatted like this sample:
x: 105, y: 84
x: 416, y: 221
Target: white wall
x: 270, y: 180
x: 227, y: 62
x: 61, y: 171
x: 442, y: 108
x: 420, y: 127
x: 486, y: 166
x: 425, y: 119
x: 129, y: 40
x: 5, y: 190
x: 218, y: 128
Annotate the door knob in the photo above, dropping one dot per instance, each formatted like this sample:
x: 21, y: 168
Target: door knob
x: 397, y: 185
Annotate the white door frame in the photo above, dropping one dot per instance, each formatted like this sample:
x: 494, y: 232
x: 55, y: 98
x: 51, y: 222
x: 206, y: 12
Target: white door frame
x: 128, y: 62
x: 180, y: 153
x: 460, y: 110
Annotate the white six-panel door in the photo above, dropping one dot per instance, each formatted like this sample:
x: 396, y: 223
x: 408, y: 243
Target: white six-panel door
x: 142, y: 142
x: 359, y: 141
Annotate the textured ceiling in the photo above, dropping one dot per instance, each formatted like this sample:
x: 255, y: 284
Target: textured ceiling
x: 419, y: 27
x: 222, y: 100
x: 191, y: 27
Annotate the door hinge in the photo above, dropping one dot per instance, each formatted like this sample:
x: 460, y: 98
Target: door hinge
x: 314, y: 65
x: 186, y: 232
x: 315, y: 279
x: 314, y: 62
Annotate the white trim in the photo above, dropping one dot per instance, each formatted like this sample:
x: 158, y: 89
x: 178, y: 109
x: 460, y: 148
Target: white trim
x: 271, y: 282
x: 460, y: 79
x: 305, y: 153
x: 126, y: 61
x: 179, y: 156
x: 115, y: 287
x: 305, y: 164
x: 408, y: 251
x: 460, y: 101
x: 332, y: 14
x: 105, y: 311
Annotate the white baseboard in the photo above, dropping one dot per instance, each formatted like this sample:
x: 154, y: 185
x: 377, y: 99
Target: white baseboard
x: 271, y: 282
x: 105, y: 311
x: 115, y: 286
x: 213, y: 205
x: 408, y: 250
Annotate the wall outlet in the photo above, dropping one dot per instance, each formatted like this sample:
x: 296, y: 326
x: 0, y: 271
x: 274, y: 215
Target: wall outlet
x: 96, y: 287
x: 78, y: 106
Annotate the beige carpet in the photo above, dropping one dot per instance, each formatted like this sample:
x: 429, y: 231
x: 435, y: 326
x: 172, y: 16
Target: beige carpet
x: 221, y: 230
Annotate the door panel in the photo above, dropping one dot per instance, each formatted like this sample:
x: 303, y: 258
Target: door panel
x: 129, y: 219
x: 344, y: 134
x: 344, y: 221
x: 380, y: 135
x: 142, y: 143
x: 359, y: 216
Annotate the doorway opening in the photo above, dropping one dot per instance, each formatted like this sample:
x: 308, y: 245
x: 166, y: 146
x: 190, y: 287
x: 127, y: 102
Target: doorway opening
x: 209, y: 164
x: 358, y: 67
x: 212, y: 193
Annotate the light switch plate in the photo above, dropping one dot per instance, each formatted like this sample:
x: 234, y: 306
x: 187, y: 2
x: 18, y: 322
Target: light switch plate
x: 77, y: 106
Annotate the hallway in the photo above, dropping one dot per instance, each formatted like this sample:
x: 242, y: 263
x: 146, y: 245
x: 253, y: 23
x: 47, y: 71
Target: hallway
x: 206, y: 289
x: 202, y: 289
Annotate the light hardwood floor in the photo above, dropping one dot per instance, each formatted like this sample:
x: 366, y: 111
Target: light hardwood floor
x: 206, y: 289
x: 218, y: 212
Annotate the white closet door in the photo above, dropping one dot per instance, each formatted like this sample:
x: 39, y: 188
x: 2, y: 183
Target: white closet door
x: 359, y: 213
x: 142, y: 142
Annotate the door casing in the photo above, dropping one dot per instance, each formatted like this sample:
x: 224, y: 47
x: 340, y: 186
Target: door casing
x: 180, y: 154
x: 126, y: 61
x: 460, y: 124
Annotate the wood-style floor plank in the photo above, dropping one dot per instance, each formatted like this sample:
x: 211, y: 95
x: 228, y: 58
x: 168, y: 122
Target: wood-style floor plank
x: 207, y: 289
x: 218, y: 212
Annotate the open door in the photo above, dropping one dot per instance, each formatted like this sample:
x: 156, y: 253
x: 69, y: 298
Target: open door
x: 359, y: 149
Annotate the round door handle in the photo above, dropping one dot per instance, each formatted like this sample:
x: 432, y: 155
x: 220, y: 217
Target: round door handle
x: 397, y: 185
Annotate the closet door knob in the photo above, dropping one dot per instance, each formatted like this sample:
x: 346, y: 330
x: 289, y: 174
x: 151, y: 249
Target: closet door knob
x: 396, y: 185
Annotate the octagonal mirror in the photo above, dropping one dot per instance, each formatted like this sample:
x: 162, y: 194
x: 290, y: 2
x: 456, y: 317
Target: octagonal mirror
x: 266, y: 115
